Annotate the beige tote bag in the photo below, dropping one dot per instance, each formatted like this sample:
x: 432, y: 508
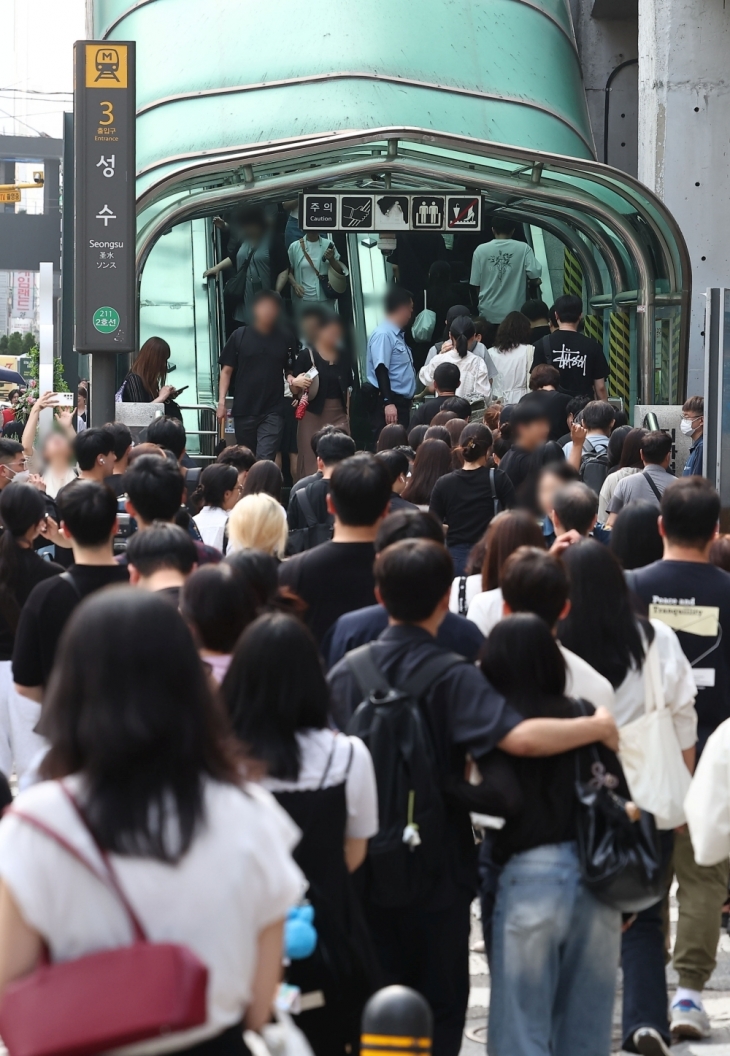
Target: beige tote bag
x: 650, y: 754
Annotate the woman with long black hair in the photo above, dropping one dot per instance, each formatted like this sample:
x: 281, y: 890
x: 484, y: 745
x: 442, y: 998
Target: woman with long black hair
x: 474, y: 384
x: 602, y: 629
x: 278, y: 700
x: 555, y: 947
x: 432, y: 461
x: 146, y: 381
x: 140, y: 766
x: 23, y: 516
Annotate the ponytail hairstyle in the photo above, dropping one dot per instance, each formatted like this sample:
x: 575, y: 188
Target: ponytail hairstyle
x: 461, y: 332
x: 21, y: 507
x: 215, y: 481
x: 477, y: 444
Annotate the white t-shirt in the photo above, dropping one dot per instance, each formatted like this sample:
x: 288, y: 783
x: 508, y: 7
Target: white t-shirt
x: 304, y: 273
x: 474, y: 383
x: 211, y: 522
x: 478, y: 350
x: 510, y: 381
x: 55, y: 481
x: 486, y: 610
x: 678, y: 684
x: 585, y: 683
x: 318, y: 748
x: 237, y: 878
x: 607, y: 489
x: 473, y: 587
x: 707, y: 805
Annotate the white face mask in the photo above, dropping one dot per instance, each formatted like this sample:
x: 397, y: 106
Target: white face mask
x: 687, y: 426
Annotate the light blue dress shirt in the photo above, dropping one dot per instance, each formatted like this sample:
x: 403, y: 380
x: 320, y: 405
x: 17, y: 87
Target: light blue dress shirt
x: 387, y: 345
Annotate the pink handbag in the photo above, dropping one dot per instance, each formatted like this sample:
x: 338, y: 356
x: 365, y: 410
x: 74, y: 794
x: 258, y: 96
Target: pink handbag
x: 107, y: 999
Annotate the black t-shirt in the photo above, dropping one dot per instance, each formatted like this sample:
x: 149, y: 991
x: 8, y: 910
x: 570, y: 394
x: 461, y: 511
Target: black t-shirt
x: 32, y: 569
x: 117, y: 483
x: 464, y: 501
x: 523, y: 468
x: 554, y: 404
x: 332, y: 578
x: 579, y: 359
x: 549, y: 804
x: 427, y: 411
x: 260, y: 361
x: 694, y: 599
x: 538, y: 332
x: 44, y: 616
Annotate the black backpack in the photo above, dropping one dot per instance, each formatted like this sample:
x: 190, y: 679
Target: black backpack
x: 594, y: 466
x: 316, y: 532
x: 406, y: 857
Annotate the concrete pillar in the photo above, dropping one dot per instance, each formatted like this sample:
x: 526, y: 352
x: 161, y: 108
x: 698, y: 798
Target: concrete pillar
x: 684, y: 137
x: 45, y: 346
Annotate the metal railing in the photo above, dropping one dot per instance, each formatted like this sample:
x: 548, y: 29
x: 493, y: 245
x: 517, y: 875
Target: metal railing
x: 207, y: 431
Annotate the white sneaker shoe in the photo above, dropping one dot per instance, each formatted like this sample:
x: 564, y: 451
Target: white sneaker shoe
x: 649, y: 1042
x: 689, y: 1020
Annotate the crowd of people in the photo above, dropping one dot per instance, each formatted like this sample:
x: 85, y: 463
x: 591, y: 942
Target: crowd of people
x: 299, y: 734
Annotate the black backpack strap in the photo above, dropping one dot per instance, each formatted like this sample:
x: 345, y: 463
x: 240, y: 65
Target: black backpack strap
x: 429, y: 672
x: 493, y: 486
x: 462, y: 596
x: 306, y: 507
x: 367, y: 672
x: 652, y: 485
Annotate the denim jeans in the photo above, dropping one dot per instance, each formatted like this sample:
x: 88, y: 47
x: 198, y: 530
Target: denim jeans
x: 555, y: 952
x: 459, y: 555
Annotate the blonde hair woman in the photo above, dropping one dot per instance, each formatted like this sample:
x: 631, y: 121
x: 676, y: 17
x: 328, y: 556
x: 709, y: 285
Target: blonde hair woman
x: 258, y: 522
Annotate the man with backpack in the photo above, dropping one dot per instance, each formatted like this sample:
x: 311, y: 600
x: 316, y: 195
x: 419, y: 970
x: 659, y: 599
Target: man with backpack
x: 652, y: 482
x: 598, y: 419
x: 425, y: 713
x: 309, y: 521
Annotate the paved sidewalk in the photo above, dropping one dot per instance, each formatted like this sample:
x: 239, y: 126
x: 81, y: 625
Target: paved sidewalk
x: 717, y: 1003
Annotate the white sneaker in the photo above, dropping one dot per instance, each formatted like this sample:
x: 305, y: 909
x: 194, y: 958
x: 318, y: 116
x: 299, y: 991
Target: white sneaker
x: 649, y: 1042
x: 689, y: 1020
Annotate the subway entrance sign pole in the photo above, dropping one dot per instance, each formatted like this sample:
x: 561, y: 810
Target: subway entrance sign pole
x: 104, y: 212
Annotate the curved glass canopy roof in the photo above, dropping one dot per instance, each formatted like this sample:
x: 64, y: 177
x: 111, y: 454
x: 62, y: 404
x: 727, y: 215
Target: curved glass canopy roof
x: 249, y: 101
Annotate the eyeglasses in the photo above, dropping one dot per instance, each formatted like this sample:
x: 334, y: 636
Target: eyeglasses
x: 691, y: 418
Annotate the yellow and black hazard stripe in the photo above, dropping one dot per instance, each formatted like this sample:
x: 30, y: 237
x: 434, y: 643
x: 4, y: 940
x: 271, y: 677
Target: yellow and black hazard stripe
x: 387, y: 1044
x: 619, y: 356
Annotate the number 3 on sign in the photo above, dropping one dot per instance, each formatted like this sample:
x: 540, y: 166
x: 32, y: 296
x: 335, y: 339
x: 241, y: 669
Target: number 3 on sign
x: 107, y: 114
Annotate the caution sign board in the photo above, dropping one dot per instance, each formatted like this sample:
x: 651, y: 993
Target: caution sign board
x: 388, y: 211
x: 104, y: 196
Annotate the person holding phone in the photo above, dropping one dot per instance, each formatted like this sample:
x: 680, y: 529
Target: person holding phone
x: 146, y: 381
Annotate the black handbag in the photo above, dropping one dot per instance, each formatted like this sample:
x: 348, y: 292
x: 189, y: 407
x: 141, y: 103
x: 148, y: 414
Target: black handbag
x: 235, y: 288
x: 620, y: 859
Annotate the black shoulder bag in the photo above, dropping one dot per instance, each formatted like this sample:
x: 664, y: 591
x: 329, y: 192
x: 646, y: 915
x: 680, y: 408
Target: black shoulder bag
x: 235, y: 289
x: 620, y: 859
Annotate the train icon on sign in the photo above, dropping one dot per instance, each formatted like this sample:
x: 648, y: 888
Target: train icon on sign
x: 107, y: 64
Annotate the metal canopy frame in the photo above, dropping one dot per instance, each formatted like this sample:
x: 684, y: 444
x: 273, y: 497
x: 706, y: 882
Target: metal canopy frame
x: 574, y: 199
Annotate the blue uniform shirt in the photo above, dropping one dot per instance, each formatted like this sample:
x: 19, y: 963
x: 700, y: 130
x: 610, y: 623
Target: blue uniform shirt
x: 387, y: 345
x: 693, y: 465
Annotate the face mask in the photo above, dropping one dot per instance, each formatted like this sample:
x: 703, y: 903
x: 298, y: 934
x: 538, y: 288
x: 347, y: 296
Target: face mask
x: 687, y: 427
x: 22, y: 477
